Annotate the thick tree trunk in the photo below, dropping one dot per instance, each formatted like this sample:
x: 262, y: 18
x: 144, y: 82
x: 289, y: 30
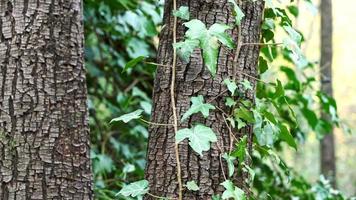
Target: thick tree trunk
x: 194, y: 79
x: 327, y: 146
x: 44, y: 145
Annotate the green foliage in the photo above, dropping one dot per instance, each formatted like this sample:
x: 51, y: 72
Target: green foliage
x: 135, y: 189
x: 128, y: 117
x: 191, y: 185
x: 199, y: 138
x: 182, y: 12
x: 198, y: 105
x: 231, y: 191
x: 239, y: 15
x: 207, y: 39
x: 122, y: 34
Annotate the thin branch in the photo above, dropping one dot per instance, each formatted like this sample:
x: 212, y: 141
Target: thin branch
x: 173, y: 103
x: 154, y: 123
x: 158, y: 197
x: 157, y: 64
x: 261, y: 44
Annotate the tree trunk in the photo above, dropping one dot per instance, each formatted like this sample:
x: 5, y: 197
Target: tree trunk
x: 327, y: 146
x: 193, y: 79
x: 44, y: 144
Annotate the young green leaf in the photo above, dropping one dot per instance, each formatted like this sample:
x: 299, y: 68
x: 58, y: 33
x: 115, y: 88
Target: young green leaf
x: 128, y: 117
x: 286, y: 136
x: 192, y: 186
x: 198, y: 105
x: 231, y: 86
x: 182, y: 12
x: 231, y: 191
x: 247, y: 84
x: 243, y: 113
x: 135, y: 189
x: 186, y: 48
x: 133, y: 63
x: 199, y: 138
x: 209, y: 41
x: 230, y: 163
x: 279, y: 90
x: 230, y: 102
x: 239, y: 15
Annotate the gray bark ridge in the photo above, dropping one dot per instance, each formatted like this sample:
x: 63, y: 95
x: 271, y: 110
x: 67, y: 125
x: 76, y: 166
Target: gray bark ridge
x: 194, y: 79
x: 44, y: 134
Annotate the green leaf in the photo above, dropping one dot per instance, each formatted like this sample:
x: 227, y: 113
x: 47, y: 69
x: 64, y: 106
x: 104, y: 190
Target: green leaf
x: 263, y: 65
x: 286, y: 136
x: 199, y: 138
x: 231, y: 191
x: 209, y: 41
x: 311, y: 117
x: 230, y: 102
x: 247, y: 84
x: 133, y: 63
x: 240, y: 123
x: 279, y: 90
x: 192, y: 186
x: 128, y: 117
x: 198, y: 105
x: 230, y: 163
x: 218, y: 30
x: 239, y: 15
x: 296, y: 37
x: 266, y: 136
x: 240, y: 151
x: 186, y: 48
x: 135, y: 189
x: 182, y: 12
x: 244, y: 114
x: 231, y: 86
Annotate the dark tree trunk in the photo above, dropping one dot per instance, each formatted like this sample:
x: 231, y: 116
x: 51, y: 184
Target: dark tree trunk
x: 327, y: 146
x: 193, y: 79
x: 44, y: 145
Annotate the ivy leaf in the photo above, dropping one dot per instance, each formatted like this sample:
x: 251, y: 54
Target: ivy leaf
x: 182, y: 12
x: 244, y: 114
x: 240, y: 123
x: 218, y: 30
x: 286, y: 136
x: 296, y: 37
x: 198, y: 105
x: 230, y: 102
x: 240, y: 151
x: 279, y: 90
x: 209, y: 41
x: 230, y: 163
x: 199, y: 138
x: 246, y: 84
x: 192, y: 186
x: 128, y: 117
x: 135, y: 189
x: 262, y: 65
x: 266, y: 136
x: 231, y: 86
x: 239, y: 15
x: 186, y: 48
x: 231, y: 191
x: 133, y: 63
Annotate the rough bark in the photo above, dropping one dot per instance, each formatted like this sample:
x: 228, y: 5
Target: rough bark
x: 327, y: 146
x: 44, y: 145
x: 194, y: 79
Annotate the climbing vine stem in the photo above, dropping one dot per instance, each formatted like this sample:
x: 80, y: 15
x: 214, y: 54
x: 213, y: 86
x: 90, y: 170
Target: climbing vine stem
x: 173, y: 102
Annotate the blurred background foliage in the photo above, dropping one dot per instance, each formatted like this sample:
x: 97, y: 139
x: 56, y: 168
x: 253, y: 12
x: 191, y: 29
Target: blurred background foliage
x: 118, y: 31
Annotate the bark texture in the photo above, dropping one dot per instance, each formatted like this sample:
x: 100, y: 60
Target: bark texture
x: 194, y: 79
x: 327, y: 146
x: 44, y: 145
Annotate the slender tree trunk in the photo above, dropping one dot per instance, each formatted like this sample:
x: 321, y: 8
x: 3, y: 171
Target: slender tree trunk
x: 44, y: 145
x: 327, y: 146
x: 193, y: 79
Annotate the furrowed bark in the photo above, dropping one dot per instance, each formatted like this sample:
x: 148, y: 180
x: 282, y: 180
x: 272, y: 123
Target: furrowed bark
x: 194, y: 79
x: 327, y: 145
x: 44, y: 134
